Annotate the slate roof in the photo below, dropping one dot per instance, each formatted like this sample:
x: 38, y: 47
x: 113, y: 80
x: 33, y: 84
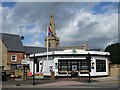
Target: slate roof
x: 94, y: 50
x: 12, y: 42
x: 32, y: 49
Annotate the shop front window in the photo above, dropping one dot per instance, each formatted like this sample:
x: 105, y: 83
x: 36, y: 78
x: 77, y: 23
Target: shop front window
x: 62, y: 66
x: 84, y: 65
x: 68, y: 65
x: 100, y: 66
x: 15, y: 66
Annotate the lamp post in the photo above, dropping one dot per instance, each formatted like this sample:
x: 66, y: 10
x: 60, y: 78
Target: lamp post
x: 34, y: 61
x: 88, y: 59
x: 24, y: 72
x: 20, y: 28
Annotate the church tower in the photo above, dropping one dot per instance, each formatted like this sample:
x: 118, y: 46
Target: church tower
x: 53, y: 40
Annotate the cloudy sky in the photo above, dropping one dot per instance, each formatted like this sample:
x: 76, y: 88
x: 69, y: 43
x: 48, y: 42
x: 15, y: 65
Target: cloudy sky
x: 77, y: 23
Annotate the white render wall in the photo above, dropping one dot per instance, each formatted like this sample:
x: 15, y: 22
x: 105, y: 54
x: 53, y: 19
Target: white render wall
x: 82, y: 52
x: 93, y: 71
x: 101, y: 73
x: 51, y: 63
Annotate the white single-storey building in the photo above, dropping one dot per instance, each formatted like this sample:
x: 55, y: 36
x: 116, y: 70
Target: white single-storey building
x: 71, y: 63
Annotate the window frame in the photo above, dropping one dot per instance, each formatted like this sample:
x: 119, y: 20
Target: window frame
x: 14, y: 57
x: 82, y: 65
x: 100, y: 65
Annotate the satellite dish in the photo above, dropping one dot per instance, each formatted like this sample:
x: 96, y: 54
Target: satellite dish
x: 22, y: 37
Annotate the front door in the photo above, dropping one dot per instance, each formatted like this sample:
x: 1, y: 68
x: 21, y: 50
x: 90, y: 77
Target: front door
x: 74, y: 67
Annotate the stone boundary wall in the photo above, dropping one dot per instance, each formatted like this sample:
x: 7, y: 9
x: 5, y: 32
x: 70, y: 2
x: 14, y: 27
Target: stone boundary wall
x: 115, y: 70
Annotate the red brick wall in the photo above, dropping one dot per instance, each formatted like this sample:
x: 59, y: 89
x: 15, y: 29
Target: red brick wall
x: 20, y: 56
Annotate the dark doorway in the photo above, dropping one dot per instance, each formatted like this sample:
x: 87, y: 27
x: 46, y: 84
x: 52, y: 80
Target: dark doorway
x: 74, y: 67
x: 74, y: 70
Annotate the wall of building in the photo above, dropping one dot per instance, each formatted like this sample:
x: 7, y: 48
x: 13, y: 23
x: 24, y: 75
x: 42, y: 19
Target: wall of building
x: 20, y: 56
x: 82, y: 47
x: 5, y: 59
x: 54, y: 42
x: 3, y: 54
x: 114, y: 70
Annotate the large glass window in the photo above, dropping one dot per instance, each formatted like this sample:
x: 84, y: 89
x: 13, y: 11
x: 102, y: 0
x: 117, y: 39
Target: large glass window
x: 84, y: 65
x: 62, y: 65
x: 79, y: 65
x: 63, y: 68
x: 66, y: 65
x: 69, y: 67
x: 100, y: 66
x: 74, y: 62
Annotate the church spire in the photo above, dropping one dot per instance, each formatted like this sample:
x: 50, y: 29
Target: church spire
x: 52, y: 23
x: 53, y: 40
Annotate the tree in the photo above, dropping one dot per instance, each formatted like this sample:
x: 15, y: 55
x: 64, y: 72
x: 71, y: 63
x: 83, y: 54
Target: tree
x: 114, y: 50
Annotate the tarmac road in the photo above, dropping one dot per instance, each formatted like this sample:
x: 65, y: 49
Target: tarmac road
x: 103, y: 82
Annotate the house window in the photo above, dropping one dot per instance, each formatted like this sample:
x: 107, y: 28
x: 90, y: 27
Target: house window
x: 15, y: 66
x: 13, y: 58
x: 100, y: 66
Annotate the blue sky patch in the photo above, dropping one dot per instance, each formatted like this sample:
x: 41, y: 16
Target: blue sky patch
x: 8, y: 4
x: 99, y: 7
x: 30, y: 26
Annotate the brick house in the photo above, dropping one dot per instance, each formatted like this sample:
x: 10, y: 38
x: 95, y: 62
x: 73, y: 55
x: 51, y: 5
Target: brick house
x: 12, y: 52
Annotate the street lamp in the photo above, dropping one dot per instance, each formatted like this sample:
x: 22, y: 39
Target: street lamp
x: 22, y: 37
x: 34, y: 62
x: 88, y: 59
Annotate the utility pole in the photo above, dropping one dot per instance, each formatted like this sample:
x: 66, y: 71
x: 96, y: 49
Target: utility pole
x: 34, y: 61
x: 24, y: 78
x: 88, y: 59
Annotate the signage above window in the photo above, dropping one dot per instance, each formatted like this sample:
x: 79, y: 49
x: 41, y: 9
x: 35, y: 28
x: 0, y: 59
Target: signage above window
x: 74, y: 51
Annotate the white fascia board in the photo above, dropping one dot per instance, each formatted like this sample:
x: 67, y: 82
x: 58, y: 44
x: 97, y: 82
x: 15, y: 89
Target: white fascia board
x: 98, y: 52
x: 69, y: 52
x: 72, y: 58
x: 41, y: 54
x: 84, y: 52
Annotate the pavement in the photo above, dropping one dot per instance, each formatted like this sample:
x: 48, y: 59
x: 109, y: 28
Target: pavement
x: 63, y: 83
x: 106, y: 79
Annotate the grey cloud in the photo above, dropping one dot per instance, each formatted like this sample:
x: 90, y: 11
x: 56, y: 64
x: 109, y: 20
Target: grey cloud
x: 40, y: 11
x: 96, y: 32
x: 85, y: 30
